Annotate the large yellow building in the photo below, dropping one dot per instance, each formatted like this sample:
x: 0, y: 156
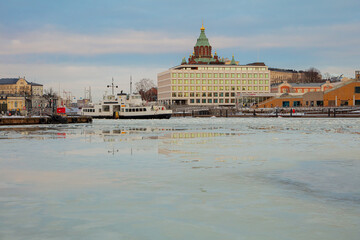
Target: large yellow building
x: 206, y: 79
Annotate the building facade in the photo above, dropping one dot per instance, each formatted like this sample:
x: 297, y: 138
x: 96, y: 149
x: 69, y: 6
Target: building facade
x: 347, y: 93
x: 205, y: 79
x: 19, y: 86
x: 300, y: 88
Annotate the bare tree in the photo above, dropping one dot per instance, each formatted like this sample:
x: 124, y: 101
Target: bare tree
x: 144, y: 84
x: 327, y: 76
x: 147, y: 89
x: 312, y: 75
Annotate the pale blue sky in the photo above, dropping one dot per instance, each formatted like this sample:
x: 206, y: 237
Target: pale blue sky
x: 81, y: 43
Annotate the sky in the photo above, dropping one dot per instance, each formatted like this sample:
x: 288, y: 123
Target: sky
x: 70, y: 45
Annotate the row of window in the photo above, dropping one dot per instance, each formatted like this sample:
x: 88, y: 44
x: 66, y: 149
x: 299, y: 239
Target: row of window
x: 88, y: 110
x: 209, y: 94
x: 221, y: 75
x: 230, y: 68
x: 133, y: 110
x: 221, y: 81
x: 220, y: 88
x: 221, y: 100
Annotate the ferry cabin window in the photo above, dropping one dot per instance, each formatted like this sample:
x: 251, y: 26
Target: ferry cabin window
x: 106, y: 108
x: 144, y: 109
x: 127, y: 110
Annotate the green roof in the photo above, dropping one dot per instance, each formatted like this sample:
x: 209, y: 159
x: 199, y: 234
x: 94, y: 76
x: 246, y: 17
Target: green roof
x: 202, y: 40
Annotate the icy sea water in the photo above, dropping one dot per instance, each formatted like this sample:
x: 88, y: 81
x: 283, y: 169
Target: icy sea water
x: 182, y: 179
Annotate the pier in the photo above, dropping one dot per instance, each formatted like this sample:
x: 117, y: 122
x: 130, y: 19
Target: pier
x: 55, y: 119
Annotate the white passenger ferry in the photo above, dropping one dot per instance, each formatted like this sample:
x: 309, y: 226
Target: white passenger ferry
x: 126, y: 106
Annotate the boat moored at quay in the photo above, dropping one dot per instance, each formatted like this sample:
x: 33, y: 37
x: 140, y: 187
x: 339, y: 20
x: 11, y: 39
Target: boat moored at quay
x: 126, y: 106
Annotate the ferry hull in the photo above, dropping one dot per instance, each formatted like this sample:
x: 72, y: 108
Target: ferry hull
x: 156, y: 116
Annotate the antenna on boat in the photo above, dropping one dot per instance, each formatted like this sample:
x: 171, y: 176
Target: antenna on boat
x: 130, y: 84
x: 112, y: 86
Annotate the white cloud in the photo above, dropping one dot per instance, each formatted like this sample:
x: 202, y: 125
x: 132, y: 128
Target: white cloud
x: 56, y: 42
x: 76, y: 78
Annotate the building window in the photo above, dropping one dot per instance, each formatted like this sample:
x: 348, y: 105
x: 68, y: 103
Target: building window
x: 203, y: 81
x: 198, y: 75
x: 191, y: 75
x: 215, y: 88
x: 186, y: 75
x: 197, y: 88
x: 203, y: 100
x: 266, y: 75
x: 197, y: 81
x: 173, y: 81
x: 357, y: 89
x: 227, y: 94
x: 215, y: 81
x: 209, y: 75
x: 192, y: 88
x: 216, y: 101
x: 226, y: 100
x: 174, y: 75
x: 209, y: 100
x: 204, y: 75
x: 226, y: 75
x: 204, y: 88
x: 192, y: 100
x: 204, y: 94
x: 238, y: 75
x: 215, y: 94
x: 209, y: 94
x: 209, y: 82
x: 192, y: 94
x: 233, y: 75
x: 197, y: 100
x: 186, y: 81
x: 180, y: 75
x: 221, y: 75
x: 221, y: 81
x: 215, y: 75
x: 250, y: 75
x: 221, y: 94
x: 209, y: 88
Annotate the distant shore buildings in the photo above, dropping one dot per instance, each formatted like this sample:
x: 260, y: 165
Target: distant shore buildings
x: 205, y: 79
x: 17, y: 94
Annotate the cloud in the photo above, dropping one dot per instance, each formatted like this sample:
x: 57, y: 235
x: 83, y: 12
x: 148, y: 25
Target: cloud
x: 75, y: 78
x: 56, y: 42
x: 51, y: 41
x: 332, y: 36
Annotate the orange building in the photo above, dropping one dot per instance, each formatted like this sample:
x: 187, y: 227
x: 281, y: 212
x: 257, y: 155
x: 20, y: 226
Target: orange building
x: 344, y: 94
x: 300, y: 88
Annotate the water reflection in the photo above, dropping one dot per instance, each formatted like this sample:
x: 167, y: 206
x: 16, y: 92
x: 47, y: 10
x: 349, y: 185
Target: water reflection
x: 201, y: 178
